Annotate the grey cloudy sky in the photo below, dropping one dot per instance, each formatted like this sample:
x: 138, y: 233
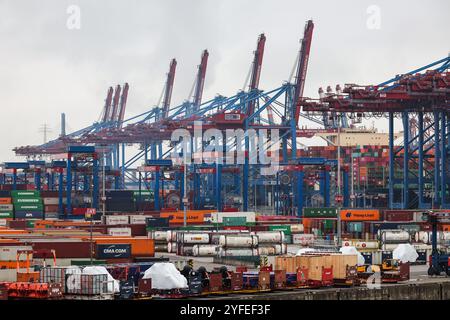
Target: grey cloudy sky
x: 47, y: 69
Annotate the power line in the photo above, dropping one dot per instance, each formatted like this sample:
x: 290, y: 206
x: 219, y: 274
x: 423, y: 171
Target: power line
x: 45, y: 129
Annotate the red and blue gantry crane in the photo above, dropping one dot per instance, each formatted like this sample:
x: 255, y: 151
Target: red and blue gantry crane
x: 418, y: 169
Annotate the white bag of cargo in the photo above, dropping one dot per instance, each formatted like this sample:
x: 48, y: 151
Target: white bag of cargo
x: 165, y: 276
x: 405, y: 253
x: 352, y: 250
x: 113, y: 284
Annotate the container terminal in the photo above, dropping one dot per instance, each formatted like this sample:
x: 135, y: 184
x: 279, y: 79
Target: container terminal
x: 220, y: 200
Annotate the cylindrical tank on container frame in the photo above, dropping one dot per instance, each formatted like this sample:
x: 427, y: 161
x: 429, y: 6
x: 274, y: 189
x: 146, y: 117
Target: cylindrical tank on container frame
x: 236, y: 252
x: 205, y: 250
x: 241, y: 241
x: 193, y: 238
x: 394, y: 236
x: 271, y: 250
x: 270, y: 236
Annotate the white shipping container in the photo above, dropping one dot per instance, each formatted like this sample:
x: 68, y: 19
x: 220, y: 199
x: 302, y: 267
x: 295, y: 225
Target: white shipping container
x: 205, y: 250
x: 238, y: 241
x: 6, y: 207
x: 305, y: 239
x: 119, y: 232
x: 270, y: 236
x: 9, y: 253
x: 51, y: 215
x: 297, y: 228
x: 10, y: 275
x: 137, y: 219
x: 217, y: 217
x: 51, y: 201
x: 3, y: 222
x: 111, y: 220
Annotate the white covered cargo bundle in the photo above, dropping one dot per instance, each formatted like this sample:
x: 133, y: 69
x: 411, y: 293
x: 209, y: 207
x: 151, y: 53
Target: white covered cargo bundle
x: 165, y: 276
x: 113, y: 284
x: 405, y: 253
x: 352, y: 250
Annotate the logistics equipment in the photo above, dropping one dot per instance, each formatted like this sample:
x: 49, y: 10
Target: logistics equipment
x: 439, y: 261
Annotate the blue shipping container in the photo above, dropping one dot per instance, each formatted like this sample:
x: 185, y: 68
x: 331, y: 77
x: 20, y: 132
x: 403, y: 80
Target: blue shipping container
x: 29, y: 215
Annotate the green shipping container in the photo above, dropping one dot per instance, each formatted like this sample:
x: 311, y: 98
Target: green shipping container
x: 320, y: 212
x: 25, y: 194
x: 6, y: 214
x: 234, y: 221
x: 328, y: 224
x: 30, y: 223
x: 28, y: 207
x: 27, y: 200
x: 285, y: 228
x: 143, y: 193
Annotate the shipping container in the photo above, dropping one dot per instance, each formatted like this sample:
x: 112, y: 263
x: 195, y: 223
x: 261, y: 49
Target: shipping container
x: 117, y: 219
x: 119, y: 232
x: 360, y: 214
x: 29, y: 207
x: 25, y: 194
x: 29, y: 215
x: 320, y: 212
x: 113, y: 251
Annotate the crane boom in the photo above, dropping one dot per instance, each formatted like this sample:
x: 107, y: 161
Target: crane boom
x: 169, y: 88
x: 256, y: 70
x: 115, y: 104
x: 123, y: 104
x: 302, y: 67
x: 200, y: 82
x: 107, y: 106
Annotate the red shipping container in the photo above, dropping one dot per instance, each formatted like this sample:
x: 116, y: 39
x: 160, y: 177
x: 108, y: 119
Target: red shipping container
x: 51, y: 208
x: 398, y: 215
x: 65, y: 249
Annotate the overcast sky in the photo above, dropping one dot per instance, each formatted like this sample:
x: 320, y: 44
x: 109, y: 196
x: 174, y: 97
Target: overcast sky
x: 47, y: 68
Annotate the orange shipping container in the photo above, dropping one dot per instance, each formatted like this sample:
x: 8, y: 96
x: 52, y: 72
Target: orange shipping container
x: 140, y: 246
x: 192, y: 217
x: 5, y: 200
x: 360, y: 215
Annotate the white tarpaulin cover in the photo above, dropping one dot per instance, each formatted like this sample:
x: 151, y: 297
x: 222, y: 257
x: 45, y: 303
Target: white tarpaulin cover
x: 352, y: 250
x: 165, y: 276
x: 102, y: 270
x: 304, y: 250
x: 405, y: 253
